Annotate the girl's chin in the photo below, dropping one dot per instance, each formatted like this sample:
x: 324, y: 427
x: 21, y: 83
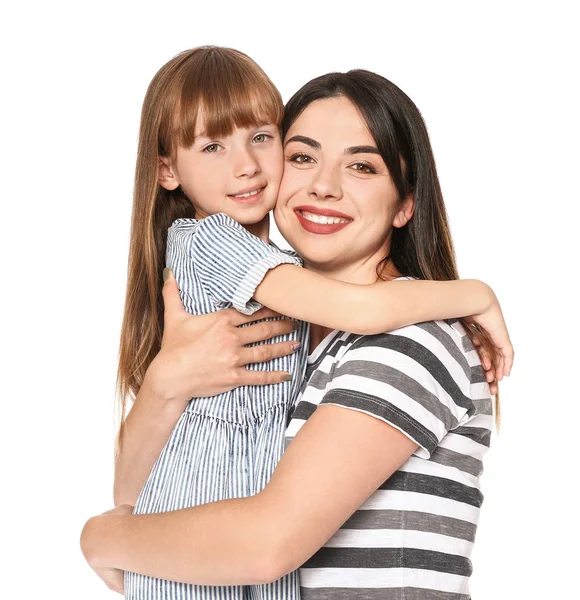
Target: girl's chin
x: 250, y: 216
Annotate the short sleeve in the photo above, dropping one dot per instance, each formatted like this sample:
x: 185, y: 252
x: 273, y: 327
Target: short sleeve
x: 397, y: 379
x: 231, y: 262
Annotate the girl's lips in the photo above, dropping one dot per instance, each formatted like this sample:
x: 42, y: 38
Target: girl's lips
x: 320, y: 228
x: 249, y: 199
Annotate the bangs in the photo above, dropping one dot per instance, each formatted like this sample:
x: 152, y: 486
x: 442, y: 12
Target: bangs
x: 226, y: 91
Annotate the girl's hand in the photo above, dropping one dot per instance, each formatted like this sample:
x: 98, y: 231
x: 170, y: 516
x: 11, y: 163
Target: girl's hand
x: 493, y: 323
x: 113, y: 578
x: 204, y: 355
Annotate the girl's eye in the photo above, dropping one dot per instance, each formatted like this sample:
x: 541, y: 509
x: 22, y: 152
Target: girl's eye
x: 300, y: 158
x: 211, y: 148
x: 361, y: 167
x: 261, y: 137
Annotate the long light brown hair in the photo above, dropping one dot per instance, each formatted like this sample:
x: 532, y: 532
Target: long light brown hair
x: 232, y: 91
x: 423, y: 248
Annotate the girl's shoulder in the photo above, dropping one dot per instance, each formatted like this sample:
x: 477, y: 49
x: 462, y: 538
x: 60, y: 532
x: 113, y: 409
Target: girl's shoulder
x: 215, y: 219
x: 187, y: 227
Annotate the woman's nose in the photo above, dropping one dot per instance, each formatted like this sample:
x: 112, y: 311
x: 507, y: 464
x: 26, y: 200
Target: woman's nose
x: 325, y: 184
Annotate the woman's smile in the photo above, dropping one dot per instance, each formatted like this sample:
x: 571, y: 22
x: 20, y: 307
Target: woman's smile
x: 321, y: 220
x: 336, y: 182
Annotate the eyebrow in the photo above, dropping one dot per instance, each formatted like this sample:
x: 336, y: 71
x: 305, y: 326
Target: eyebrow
x: 362, y: 150
x: 203, y: 134
x: 317, y: 146
x: 305, y: 140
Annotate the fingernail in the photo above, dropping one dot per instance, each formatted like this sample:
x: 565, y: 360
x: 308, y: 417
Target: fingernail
x: 295, y: 325
x: 295, y: 346
x: 166, y: 272
x: 286, y: 377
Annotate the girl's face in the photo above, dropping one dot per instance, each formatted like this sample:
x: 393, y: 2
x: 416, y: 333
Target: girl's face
x: 337, y: 204
x: 238, y: 175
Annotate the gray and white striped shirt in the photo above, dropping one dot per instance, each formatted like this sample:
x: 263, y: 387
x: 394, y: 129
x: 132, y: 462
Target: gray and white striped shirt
x: 412, y: 539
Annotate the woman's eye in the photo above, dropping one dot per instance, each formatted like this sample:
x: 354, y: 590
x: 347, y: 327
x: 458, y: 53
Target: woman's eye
x: 300, y: 158
x: 261, y: 137
x: 363, y: 168
x: 211, y: 148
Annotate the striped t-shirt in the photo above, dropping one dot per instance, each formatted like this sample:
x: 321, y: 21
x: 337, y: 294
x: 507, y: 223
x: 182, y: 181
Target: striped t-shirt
x: 219, y: 264
x: 412, y: 539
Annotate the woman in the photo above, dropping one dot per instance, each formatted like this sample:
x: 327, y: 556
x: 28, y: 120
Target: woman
x: 393, y: 425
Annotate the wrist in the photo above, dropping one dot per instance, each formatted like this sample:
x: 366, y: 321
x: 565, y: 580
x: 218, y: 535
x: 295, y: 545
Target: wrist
x: 158, y: 400
x: 487, y: 297
x: 479, y: 296
x: 155, y: 387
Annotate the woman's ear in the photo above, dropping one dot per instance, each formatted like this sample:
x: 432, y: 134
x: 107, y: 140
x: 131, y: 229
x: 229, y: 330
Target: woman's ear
x: 166, y: 177
x: 405, y: 212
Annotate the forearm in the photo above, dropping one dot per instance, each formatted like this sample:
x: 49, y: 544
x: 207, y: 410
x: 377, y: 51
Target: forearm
x: 389, y: 305
x: 369, y: 309
x: 147, y: 429
x: 221, y: 543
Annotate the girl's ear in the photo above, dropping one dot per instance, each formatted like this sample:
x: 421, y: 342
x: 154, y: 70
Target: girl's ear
x: 166, y: 176
x: 405, y: 212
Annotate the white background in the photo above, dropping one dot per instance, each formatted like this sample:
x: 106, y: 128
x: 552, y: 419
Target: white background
x: 497, y: 85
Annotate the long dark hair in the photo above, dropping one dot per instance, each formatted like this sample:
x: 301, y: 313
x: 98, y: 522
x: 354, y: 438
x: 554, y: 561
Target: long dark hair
x: 423, y: 248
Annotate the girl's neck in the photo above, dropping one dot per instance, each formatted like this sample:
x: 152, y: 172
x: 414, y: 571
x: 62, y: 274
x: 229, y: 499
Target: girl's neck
x: 260, y: 229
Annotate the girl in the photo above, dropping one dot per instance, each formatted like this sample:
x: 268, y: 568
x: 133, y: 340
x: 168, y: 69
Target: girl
x: 209, y: 166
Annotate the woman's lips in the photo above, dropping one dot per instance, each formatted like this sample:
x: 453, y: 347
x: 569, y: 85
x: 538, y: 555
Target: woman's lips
x: 303, y: 212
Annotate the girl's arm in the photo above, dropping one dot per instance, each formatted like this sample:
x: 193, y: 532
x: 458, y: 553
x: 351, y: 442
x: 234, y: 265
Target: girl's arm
x: 238, y: 268
x: 384, y: 306
x: 200, y: 356
x: 335, y: 462
x: 369, y: 309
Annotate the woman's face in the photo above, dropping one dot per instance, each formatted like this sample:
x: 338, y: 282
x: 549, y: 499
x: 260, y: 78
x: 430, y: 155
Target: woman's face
x: 337, y: 204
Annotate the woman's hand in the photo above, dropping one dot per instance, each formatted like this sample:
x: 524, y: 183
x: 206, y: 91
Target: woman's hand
x: 200, y: 356
x: 205, y: 355
x: 493, y: 323
x: 113, y: 578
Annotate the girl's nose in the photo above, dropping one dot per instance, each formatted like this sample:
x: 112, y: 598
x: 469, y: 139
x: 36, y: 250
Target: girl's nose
x: 246, y: 164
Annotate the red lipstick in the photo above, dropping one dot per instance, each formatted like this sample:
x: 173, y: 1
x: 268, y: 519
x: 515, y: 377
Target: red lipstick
x: 321, y: 228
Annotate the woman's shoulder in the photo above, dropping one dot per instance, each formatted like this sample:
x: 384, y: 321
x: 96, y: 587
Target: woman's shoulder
x: 429, y: 351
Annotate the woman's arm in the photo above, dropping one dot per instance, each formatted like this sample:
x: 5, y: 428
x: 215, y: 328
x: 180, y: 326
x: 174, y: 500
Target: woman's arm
x: 145, y: 432
x: 200, y: 356
x: 335, y: 462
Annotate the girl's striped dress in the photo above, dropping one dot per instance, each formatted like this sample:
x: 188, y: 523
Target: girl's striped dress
x: 228, y: 445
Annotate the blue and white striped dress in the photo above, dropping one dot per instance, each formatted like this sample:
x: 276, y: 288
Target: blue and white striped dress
x: 228, y: 445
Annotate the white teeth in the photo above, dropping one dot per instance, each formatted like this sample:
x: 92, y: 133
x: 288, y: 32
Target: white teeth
x: 322, y: 219
x: 248, y: 194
